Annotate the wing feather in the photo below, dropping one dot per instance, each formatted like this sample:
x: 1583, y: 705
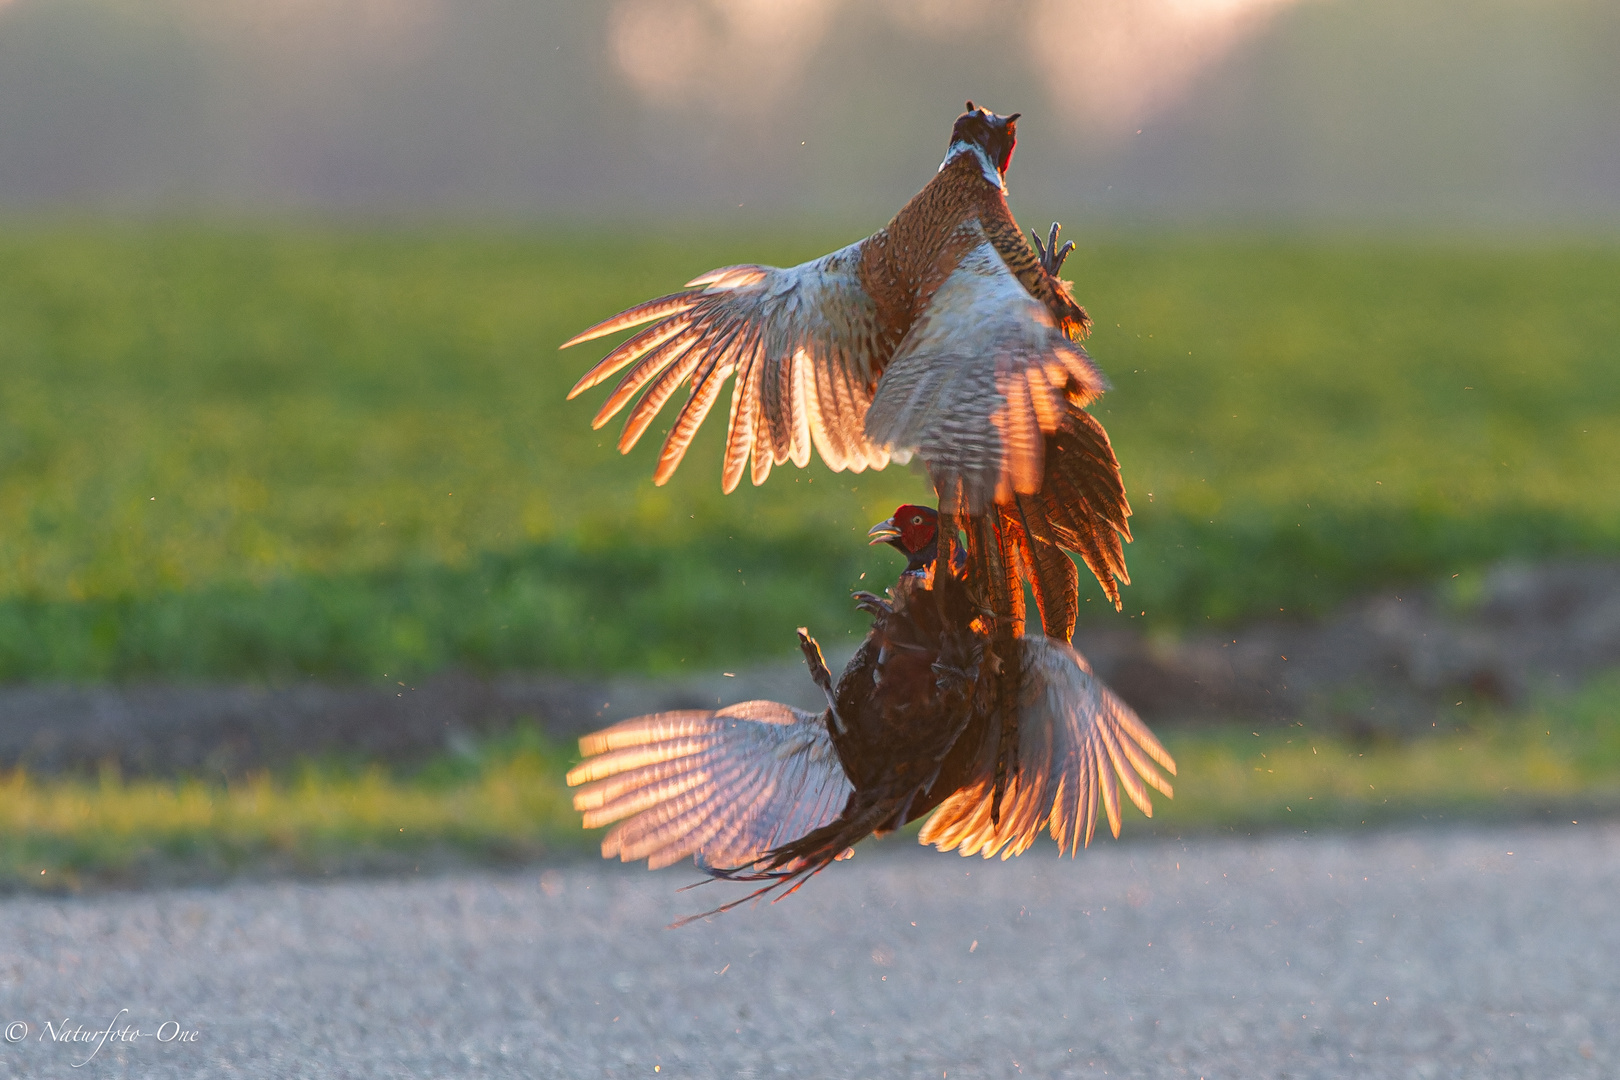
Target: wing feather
x: 724, y: 786
x: 734, y: 843
x: 764, y: 457
x: 776, y: 420
x: 647, y: 367
x: 740, y: 440
x: 841, y: 403
x: 1107, y: 786
x: 701, y: 366
x: 803, y: 343
x: 635, y: 757
x: 799, y: 408
x: 825, y: 430
x: 661, y: 308
x: 643, y: 731
x: 704, y: 394
x: 650, y: 340
x: 730, y: 277
x: 1129, y: 782
x: 1088, y: 766
x: 648, y: 834
x: 648, y: 792
x: 660, y: 391
x: 1078, y: 745
x: 739, y: 433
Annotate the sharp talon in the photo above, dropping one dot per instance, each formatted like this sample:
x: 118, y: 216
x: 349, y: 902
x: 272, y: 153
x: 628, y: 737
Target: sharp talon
x: 872, y: 604
x: 1051, y: 255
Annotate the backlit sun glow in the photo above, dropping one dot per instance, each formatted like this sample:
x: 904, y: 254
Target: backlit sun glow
x: 1108, y: 63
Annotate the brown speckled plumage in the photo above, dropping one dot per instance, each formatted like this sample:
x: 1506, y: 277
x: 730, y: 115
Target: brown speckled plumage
x: 943, y: 336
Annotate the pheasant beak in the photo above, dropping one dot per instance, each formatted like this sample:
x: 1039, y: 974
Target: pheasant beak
x: 884, y: 532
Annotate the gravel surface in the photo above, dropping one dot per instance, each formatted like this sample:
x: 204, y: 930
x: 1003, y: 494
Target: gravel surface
x: 1461, y: 953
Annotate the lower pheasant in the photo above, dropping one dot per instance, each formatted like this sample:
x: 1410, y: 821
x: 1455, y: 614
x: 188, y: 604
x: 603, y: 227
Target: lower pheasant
x: 917, y: 722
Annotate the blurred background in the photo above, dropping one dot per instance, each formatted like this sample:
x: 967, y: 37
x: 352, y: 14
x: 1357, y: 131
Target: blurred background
x: 287, y: 481
x: 1440, y: 114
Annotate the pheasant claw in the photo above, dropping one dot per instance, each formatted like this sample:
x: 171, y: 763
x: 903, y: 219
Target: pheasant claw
x: 1051, y: 255
x: 872, y: 604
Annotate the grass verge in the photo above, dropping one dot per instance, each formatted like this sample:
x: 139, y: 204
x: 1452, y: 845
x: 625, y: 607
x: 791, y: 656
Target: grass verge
x: 499, y: 802
x: 1561, y: 754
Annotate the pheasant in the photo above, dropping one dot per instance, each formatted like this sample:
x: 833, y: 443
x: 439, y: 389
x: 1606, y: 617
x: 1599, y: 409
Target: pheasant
x: 764, y: 792
x: 914, y: 532
x: 944, y: 336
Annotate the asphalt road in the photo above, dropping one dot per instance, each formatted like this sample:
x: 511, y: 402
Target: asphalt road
x: 1457, y: 953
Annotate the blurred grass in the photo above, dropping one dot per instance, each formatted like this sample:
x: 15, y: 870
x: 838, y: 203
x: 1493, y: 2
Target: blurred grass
x: 504, y: 800
x: 272, y: 452
x: 1563, y: 753
x: 501, y: 801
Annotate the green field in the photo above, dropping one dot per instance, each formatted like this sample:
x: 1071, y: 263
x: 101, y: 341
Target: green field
x: 276, y: 452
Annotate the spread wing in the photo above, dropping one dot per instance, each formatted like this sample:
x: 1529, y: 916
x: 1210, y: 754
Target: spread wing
x: 804, y: 344
x: 724, y: 786
x: 982, y: 378
x: 1078, y: 745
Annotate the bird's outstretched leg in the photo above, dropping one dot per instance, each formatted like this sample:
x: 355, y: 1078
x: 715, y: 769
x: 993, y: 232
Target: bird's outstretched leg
x: 1051, y: 255
x: 819, y: 673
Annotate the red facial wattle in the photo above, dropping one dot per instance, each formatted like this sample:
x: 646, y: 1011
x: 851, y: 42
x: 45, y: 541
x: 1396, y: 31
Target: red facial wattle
x: 1006, y: 158
x: 918, y: 526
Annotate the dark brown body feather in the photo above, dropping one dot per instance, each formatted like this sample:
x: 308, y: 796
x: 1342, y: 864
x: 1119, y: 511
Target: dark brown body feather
x: 939, y: 711
x: 921, y: 686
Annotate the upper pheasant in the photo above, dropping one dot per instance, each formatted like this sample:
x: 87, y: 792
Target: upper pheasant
x: 943, y: 335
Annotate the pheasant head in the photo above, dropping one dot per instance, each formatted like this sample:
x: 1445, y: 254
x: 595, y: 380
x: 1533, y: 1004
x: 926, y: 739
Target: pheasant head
x: 988, y: 136
x: 914, y: 531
